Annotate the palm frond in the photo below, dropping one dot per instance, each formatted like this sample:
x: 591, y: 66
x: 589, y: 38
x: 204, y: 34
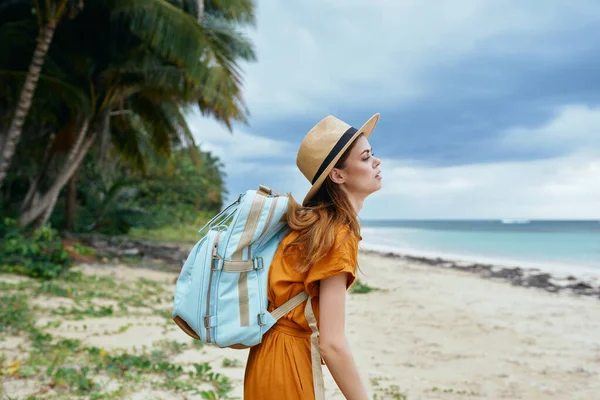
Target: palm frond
x: 217, y: 93
x: 239, y: 11
x: 74, y: 98
x: 166, y: 28
x: 125, y: 136
x: 160, y: 127
x: 233, y: 39
x: 191, y: 7
x: 227, y: 44
x: 221, y: 98
x: 168, y: 81
x: 173, y: 112
x: 179, y: 38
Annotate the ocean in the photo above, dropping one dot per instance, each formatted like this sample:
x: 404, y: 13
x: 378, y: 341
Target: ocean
x: 555, y: 246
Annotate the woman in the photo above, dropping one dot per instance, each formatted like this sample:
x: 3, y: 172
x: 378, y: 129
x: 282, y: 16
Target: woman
x: 319, y: 255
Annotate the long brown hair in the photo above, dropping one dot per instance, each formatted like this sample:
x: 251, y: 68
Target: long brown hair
x: 318, y: 221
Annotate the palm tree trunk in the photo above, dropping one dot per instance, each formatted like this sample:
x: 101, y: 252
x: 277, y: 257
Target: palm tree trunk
x: 34, y: 186
x: 200, y: 10
x: 48, y: 213
x: 3, y: 131
x: 104, y: 139
x: 71, y: 204
x: 46, y: 204
x: 25, y: 98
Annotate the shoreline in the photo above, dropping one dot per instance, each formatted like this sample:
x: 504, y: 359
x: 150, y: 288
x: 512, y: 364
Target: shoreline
x: 579, y: 281
x: 529, y: 277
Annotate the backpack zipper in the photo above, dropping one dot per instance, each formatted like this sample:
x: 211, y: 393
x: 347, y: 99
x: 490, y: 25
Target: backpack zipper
x: 215, y: 254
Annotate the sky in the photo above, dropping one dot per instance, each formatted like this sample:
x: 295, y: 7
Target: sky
x: 488, y: 109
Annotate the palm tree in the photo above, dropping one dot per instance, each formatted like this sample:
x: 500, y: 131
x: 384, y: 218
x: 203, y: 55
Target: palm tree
x: 156, y: 60
x: 48, y: 15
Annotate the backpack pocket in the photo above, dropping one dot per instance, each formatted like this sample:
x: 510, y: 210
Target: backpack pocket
x: 239, y: 304
x: 187, y: 299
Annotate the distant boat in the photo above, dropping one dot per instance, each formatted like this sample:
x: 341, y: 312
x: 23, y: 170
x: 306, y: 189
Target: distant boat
x: 515, y: 221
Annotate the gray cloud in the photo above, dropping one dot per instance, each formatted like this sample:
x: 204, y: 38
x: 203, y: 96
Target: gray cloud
x: 489, y: 109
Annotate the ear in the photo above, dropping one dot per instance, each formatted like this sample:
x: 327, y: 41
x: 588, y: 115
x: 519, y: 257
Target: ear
x: 337, y: 176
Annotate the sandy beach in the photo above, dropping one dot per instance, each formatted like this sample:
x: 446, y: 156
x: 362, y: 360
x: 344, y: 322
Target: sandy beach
x: 429, y: 333
x: 445, y: 334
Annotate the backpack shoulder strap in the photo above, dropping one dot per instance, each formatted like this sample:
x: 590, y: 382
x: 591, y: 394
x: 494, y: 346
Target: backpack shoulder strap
x: 289, y: 305
x: 317, y: 372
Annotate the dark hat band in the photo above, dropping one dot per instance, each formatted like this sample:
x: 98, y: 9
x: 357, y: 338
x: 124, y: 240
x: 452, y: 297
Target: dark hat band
x: 334, y: 152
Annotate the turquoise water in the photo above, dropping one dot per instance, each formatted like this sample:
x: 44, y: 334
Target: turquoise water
x: 564, y: 245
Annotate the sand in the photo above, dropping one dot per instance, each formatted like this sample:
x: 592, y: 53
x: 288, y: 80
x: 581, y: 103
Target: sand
x: 436, y: 332
x: 430, y: 333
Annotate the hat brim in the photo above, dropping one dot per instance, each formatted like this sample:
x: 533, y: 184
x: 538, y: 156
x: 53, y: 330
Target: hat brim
x: 366, y: 130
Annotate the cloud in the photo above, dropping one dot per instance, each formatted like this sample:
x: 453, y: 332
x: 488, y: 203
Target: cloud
x: 240, y: 151
x: 489, y: 109
x: 318, y: 55
x: 250, y: 160
x: 564, y: 187
x: 575, y: 128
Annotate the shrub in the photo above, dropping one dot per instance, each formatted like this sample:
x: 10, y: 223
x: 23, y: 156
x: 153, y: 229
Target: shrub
x: 40, y: 254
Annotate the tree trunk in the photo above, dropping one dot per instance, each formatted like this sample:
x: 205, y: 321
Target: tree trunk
x: 3, y: 131
x: 75, y: 149
x: 48, y: 213
x: 71, y: 205
x: 34, y: 186
x: 32, y: 192
x: 48, y: 200
x: 25, y: 98
x: 104, y: 139
x: 200, y: 10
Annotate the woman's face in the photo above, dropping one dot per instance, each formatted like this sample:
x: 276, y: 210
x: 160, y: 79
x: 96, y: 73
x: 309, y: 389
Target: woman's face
x: 361, y: 174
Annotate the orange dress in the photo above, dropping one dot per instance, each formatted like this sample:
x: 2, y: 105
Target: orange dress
x: 281, y: 366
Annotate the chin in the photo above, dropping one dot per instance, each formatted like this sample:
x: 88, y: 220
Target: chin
x: 375, y: 189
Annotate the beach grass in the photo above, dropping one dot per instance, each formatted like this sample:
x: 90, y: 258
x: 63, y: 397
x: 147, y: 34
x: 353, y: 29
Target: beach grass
x: 358, y: 287
x: 185, y: 233
x: 45, y: 364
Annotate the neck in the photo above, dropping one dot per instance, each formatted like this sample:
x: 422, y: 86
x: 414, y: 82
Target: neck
x: 357, y: 202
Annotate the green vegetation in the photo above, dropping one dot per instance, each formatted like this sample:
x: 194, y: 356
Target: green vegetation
x: 14, y: 314
x: 39, y: 255
x: 359, y: 287
x: 384, y: 392
x: 165, y: 198
x: 58, y: 366
x: 228, y: 363
x: 94, y: 136
x: 455, y: 391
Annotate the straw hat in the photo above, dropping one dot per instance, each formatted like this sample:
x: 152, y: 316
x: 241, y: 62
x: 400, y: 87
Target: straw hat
x: 323, y: 146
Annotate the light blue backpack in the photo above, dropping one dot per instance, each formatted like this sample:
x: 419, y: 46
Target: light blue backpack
x: 221, y: 292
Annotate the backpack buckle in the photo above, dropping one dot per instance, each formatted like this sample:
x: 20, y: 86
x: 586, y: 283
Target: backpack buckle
x: 215, y: 263
x: 215, y: 256
x: 258, y: 264
x: 260, y: 320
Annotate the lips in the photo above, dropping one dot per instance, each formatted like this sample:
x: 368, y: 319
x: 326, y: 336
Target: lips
x: 378, y: 176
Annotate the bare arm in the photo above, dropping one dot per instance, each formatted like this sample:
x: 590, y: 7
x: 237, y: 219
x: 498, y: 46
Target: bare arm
x: 334, y: 346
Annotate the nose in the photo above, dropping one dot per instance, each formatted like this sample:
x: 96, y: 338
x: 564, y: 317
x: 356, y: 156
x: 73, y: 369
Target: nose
x: 377, y: 161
